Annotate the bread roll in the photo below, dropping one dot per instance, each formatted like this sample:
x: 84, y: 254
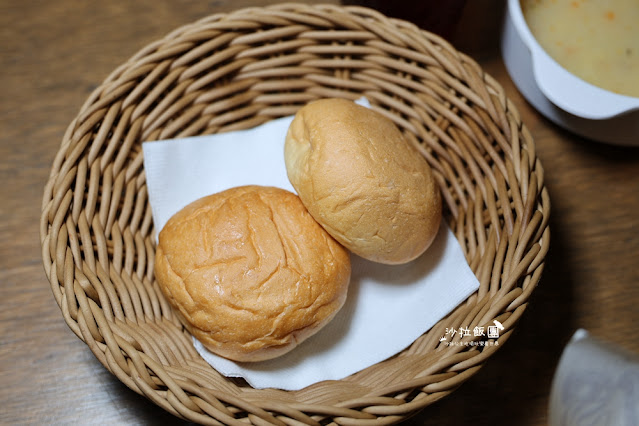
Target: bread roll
x: 362, y: 180
x: 251, y: 273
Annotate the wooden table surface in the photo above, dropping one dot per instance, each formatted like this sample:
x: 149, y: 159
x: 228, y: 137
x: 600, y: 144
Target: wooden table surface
x: 53, y: 53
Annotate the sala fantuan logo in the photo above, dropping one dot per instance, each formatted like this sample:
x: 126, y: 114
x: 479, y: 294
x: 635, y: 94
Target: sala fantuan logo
x: 491, y: 332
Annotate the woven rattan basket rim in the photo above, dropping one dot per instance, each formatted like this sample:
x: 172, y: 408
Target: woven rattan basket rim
x: 238, y: 70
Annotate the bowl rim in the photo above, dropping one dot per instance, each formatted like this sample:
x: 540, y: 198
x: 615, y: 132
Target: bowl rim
x: 560, y: 85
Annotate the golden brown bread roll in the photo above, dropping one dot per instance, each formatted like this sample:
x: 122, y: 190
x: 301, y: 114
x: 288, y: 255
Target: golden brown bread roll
x: 362, y: 180
x: 251, y: 272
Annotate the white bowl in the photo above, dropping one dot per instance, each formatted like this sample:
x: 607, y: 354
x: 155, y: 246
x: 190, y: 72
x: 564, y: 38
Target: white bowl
x: 561, y: 96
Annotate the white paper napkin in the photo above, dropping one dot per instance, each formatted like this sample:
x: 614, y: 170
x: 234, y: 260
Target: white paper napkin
x: 387, y: 308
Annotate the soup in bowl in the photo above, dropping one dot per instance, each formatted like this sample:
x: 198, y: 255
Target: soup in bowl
x: 576, y: 61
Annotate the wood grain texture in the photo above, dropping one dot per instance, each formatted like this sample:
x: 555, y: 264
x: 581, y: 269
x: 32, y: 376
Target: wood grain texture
x: 53, y: 53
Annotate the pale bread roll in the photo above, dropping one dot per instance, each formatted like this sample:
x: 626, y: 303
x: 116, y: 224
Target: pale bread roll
x: 251, y: 273
x: 362, y: 180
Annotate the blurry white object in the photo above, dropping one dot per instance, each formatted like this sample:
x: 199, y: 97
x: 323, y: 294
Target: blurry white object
x: 561, y: 96
x: 596, y: 383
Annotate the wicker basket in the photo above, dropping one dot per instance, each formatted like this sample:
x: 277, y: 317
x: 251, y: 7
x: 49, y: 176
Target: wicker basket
x: 238, y: 70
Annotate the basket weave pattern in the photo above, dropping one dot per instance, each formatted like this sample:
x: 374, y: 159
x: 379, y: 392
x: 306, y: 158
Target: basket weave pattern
x: 238, y: 70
